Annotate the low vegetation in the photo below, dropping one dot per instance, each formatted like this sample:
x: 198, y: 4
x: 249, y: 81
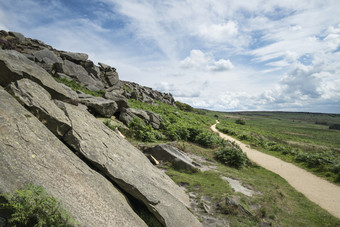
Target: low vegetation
x: 74, y: 85
x: 275, y: 202
x: 176, y: 125
x: 289, y: 139
x: 32, y: 206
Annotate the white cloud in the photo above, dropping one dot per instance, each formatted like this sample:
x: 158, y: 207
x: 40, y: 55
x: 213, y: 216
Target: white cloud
x: 285, y: 52
x: 199, y: 60
x: 218, y: 32
x: 221, y: 65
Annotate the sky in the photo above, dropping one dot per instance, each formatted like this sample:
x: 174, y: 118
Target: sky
x: 227, y: 55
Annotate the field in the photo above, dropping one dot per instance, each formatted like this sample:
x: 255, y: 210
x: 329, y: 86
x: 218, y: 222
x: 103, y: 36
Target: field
x: 302, y: 138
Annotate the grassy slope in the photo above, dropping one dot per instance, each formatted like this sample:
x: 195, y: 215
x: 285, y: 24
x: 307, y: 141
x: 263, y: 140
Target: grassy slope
x: 295, y: 131
x: 278, y: 202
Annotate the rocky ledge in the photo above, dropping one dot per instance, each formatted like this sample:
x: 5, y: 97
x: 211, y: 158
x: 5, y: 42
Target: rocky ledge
x: 50, y: 137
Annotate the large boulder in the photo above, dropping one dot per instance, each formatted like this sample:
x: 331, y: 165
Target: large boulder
x: 30, y: 153
x: 127, y: 167
x: 109, y: 77
x: 15, y: 66
x: 168, y: 153
x: 38, y: 101
x: 128, y: 114
x: 47, y: 56
x: 98, y: 105
x: 116, y: 96
x: 77, y: 72
x: 74, y: 57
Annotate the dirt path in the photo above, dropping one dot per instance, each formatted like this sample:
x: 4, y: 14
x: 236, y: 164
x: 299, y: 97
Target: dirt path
x: 321, y: 192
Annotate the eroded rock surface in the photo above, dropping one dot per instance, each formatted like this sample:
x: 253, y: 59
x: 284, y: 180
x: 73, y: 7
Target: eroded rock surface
x: 15, y: 66
x: 39, y: 102
x: 30, y: 153
x: 128, y: 167
x: 168, y: 153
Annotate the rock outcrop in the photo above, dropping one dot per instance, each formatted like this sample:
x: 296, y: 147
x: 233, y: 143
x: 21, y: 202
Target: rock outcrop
x: 99, y: 106
x: 38, y: 101
x: 15, y: 66
x: 30, y: 153
x: 177, y: 158
x: 128, y: 114
x: 48, y: 139
x: 146, y: 94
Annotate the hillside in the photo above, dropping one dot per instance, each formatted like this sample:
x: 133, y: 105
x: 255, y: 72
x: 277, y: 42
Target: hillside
x: 63, y: 123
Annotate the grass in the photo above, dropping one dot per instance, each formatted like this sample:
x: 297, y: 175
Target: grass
x: 293, y: 137
x: 277, y: 202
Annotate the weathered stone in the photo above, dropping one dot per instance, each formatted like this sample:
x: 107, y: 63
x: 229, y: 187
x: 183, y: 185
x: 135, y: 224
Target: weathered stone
x: 30, y: 153
x: 75, y: 71
x: 98, y: 105
x: 17, y: 35
x: 168, y: 153
x: 145, y: 94
x: 38, y: 101
x: 109, y: 77
x: 128, y: 114
x: 121, y: 101
x: 74, y: 57
x: 128, y: 167
x: 105, y: 68
x: 46, y: 56
x: 15, y: 66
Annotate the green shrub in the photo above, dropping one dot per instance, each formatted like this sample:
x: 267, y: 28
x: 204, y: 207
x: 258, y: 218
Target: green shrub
x: 32, y: 206
x: 232, y: 156
x: 240, y: 122
x: 141, y: 131
x: 184, y: 106
x: 335, y: 126
x: 206, y: 139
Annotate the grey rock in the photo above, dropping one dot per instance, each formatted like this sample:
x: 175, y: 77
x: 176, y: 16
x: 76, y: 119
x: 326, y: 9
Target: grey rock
x: 98, y: 105
x: 106, y: 68
x: 15, y: 66
x: 17, y: 35
x: 63, y: 76
x: 91, y: 68
x: 47, y: 56
x: 109, y: 77
x: 127, y: 167
x: 74, y: 57
x: 146, y: 94
x: 38, y: 101
x: 75, y: 71
x: 168, y: 153
x: 121, y: 101
x: 128, y: 114
x: 30, y: 153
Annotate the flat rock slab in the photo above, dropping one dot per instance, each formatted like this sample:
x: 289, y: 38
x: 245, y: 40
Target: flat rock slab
x: 15, y: 66
x: 38, y: 101
x: 75, y: 57
x: 30, y: 153
x: 101, y: 106
x: 168, y: 153
x: 128, y: 167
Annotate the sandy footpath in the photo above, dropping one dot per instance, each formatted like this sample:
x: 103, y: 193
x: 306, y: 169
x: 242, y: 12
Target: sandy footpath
x: 321, y: 192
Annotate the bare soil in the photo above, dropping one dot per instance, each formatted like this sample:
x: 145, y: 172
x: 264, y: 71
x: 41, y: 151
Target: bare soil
x: 316, y: 189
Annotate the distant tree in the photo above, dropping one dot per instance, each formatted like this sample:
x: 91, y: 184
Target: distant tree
x: 216, y: 115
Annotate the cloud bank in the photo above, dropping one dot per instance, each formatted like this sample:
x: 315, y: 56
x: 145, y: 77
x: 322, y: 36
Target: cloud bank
x: 225, y: 55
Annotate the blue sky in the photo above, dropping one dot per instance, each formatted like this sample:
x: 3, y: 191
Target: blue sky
x: 216, y: 54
